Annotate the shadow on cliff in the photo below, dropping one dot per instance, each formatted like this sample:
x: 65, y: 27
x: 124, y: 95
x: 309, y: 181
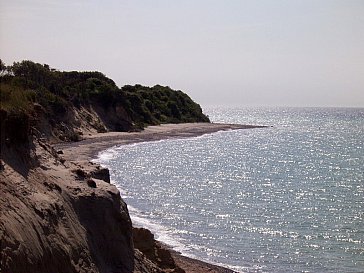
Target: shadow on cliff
x: 16, y: 143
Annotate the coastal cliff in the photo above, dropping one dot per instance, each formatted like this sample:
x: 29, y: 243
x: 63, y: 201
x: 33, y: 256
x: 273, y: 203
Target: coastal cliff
x: 59, y: 216
x: 58, y: 211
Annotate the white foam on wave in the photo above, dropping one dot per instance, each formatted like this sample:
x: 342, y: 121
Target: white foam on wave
x: 106, y: 155
x: 161, y: 232
x: 112, y: 152
x: 167, y: 235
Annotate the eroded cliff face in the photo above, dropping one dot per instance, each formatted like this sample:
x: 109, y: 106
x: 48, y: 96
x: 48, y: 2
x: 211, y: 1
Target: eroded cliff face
x: 75, y: 122
x: 64, y: 216
x: 54, y: 220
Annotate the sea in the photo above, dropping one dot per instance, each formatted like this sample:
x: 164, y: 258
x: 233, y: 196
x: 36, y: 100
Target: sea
x: 286, y: 198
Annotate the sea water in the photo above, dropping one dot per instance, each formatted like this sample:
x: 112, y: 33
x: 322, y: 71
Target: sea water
x: 287, y: 198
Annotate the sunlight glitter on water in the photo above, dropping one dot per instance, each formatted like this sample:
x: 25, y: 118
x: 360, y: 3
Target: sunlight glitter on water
x: 282, y: 199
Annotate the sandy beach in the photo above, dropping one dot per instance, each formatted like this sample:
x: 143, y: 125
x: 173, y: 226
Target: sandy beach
x: 92, y: 144
x: 83, y: 151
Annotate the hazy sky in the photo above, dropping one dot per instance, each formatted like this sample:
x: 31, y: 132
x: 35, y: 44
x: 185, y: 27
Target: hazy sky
x: 256, y: 52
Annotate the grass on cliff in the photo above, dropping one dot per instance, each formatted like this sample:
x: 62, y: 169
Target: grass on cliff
x: 15, y: 98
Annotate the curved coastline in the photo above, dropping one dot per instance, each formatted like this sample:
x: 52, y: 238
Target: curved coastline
x: 92, y: 144
x: 86, y: 150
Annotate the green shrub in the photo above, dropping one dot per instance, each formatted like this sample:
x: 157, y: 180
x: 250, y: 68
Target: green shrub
x: 27, y: 82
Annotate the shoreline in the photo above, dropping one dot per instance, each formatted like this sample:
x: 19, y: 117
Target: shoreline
x: 86, y: 150
x: 91, y: 144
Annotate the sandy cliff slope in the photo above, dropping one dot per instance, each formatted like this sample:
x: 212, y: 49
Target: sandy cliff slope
x: 56, y: 218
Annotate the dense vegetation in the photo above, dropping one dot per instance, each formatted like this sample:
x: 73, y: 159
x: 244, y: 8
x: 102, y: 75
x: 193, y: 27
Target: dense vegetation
x: 27, y: 84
